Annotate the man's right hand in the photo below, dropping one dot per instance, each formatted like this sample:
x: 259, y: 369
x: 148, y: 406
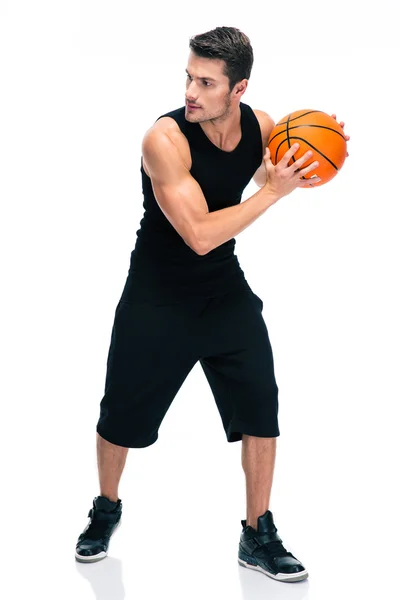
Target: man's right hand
x: 283, y: 179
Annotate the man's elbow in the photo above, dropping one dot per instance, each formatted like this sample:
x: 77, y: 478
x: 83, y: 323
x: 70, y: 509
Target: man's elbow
x: 201, y: 247
x: 199, y: 242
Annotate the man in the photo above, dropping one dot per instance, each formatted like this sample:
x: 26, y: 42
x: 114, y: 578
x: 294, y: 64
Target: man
x: 186, y: 298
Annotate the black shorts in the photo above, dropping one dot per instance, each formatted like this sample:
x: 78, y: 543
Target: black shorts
x: 154, y: 347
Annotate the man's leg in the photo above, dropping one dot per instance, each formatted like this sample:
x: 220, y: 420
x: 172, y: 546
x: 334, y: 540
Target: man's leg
x: 263, y: 551
x: 110, y: 462
x: 258, y: 461
x: 105, y: 516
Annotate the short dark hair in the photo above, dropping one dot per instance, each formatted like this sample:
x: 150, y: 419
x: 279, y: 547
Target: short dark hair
x: 230, y: 45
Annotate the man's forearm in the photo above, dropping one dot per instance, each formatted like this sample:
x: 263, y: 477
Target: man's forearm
x: 219, y: 226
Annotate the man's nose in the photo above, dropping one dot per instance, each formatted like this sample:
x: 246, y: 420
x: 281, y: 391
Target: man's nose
x: 191, y: 92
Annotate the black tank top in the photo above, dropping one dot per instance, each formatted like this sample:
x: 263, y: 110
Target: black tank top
x: 163, y: 268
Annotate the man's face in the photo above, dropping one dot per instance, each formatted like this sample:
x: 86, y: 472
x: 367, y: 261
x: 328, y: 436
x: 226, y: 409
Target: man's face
x: 207, y: 88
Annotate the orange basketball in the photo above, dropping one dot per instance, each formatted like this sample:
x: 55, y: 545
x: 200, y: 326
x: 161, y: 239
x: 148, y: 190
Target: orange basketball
x: 313, y: 130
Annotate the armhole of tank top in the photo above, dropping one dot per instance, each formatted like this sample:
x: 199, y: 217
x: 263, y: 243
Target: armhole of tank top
x: 260, y: 134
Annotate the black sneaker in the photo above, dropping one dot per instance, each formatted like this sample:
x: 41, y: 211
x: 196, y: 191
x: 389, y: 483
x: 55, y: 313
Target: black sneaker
x: 262, y: 550
x: 105, y: 518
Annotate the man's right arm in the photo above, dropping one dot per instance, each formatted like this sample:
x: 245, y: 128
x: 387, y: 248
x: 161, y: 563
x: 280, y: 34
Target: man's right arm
x: 181, y: 198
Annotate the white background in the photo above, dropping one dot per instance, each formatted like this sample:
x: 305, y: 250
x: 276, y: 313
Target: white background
x: 81, y: 82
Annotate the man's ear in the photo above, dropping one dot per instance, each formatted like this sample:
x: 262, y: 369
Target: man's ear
x: 240, y: 89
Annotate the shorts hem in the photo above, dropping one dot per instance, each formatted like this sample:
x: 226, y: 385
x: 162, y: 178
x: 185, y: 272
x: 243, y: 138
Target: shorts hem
x: 237, y: 430
x: 128, y: 444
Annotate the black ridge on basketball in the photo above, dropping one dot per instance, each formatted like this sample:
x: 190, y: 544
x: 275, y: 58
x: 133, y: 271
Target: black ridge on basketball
x: 289, y: 119
x: 309, y: 112
x: 308, y: 143
x: 299, y: 126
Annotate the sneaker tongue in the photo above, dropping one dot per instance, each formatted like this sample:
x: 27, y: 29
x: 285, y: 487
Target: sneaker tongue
x: 102, y: 503
x: 265, y: 523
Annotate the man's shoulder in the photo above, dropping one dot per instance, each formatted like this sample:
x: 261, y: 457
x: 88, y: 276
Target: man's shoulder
x: 170, y: 122
x: 166, y: 126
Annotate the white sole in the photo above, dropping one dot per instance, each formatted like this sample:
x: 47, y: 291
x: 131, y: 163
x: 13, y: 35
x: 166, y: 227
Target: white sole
x: 100, y: 555
x: 279, y: 576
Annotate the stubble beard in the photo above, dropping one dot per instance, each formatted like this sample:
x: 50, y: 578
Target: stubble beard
x: 218, y: 117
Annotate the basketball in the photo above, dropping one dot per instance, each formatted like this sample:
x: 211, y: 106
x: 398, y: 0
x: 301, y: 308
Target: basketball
x: 313, y: 130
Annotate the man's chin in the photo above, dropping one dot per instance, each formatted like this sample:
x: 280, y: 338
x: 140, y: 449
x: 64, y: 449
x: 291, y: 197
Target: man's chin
x: 191, y: 117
